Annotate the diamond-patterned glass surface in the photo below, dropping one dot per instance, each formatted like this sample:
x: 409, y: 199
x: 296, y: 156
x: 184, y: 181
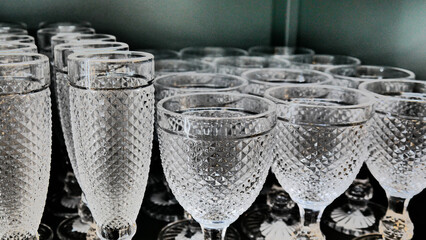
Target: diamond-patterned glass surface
x: 25, y: 149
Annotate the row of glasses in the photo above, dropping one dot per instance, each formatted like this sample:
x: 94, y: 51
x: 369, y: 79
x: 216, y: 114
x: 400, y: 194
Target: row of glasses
x: 78, y: 226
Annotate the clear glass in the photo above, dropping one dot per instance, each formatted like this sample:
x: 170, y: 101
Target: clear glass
x: 45, y: 35
x: 215, y: 152
x: 320, y: 147
x: 21, y: 25
x: 17, y: 38
x: 25, y: 121
x: 15, y: 31
x: 238, y: 65
x: 209, y: 54
x: 10, y: 47
x: 281, y: 51
x: 168, y: 66
x: 112, y: 118
x: 262, y: 79
x: 77, y: 227
x: 64, y: 24
x: 190, y: 229
x: 161, y: 54
x: 397, y: 158
x: 322, y: 62
x: 80, y: 37
x: 353, y: 76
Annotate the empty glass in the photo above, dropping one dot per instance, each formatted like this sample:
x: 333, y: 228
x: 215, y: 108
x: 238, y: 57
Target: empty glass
x: 66, y: 38
x: 322, y: 62
x: 238, y: 65
x: 353, y: 76
x: 397, y: 158
x: 11, y: 47
x: 68, y: 228
x: 281, y: 51
x: 209, y: 54
x: 215, y: 152
x: 112, y: 117
x: 25, y: 140
x: 45, y: 35
x: 160, y: 54
x: 320, y: 147
x: 17, y: 38
x: 167, y: 66
x: 262, y: 79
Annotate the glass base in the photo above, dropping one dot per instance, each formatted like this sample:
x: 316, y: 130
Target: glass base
x: 259, y: 223
x: 91, y: 234
x: 372, y: 236
x: 73, y: 229
x: 60, y: 205
x: 162, y: 206
x: 354, y: 221
x: 45, y: 232
x: 190, y: 230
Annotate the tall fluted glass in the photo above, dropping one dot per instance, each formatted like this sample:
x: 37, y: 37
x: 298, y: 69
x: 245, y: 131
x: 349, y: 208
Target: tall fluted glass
x: 322, y: 62
x: 216, y: 153
x: 112, y: 117
x: 25, y: 140
x: 398, y: 146
x: 209, y: 54
x: 238, y: 65
x: 322, y: 133
x: 353, y: 76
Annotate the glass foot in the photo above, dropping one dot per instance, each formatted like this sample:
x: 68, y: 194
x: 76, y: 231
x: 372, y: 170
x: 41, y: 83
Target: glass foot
x: 61, y: 205
x: 73, y: 229
x: 162, y: 206
x: 259, y: 223
x: 191, y: 230
x: 309, y: 233
x: 354, y: 221
x: 372, y: 236
x: 45, y: 232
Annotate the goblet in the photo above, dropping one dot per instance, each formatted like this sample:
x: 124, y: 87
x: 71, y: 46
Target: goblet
x: 44, y: 36
x: 320, y: 146
x: 112, y: 116
x: 76, y: 227
x: 167, y: 66
x: 262, y: 79
x: 25, y: 139
x: 11, y: 47
x: 238, y: 65
x: 80, y: 37
x: 216, y: 153
x: 13, y: 25
x: 353, y: 76
x: 281, y: 51
x: 209, y: 54
x: 160, y: 54
x: 17, y: 38
x: 14, y: 31
x: 322, y: 62
x: 397, y: 158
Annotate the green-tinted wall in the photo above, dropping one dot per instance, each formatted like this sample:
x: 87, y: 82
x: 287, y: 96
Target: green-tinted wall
x: 387, y: 32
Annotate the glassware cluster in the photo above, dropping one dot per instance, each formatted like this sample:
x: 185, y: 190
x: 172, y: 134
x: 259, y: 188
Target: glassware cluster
x: 203, y: 132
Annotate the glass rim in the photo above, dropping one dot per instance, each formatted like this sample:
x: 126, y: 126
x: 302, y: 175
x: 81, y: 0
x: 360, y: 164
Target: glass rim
x: 290, y: 70
x: 73, y: 29
x: 19, y: 46
x: 224, y: 61
x: 270, y: 111
x: 158, y: 81
x: 43, y: 24
x: 214, y: 48
x: 369, y: 102
x: 256, y: 49
x: 39, y: 58
x: 73, y: 36
x: 14, y: 31
x: 136, y: 56
x: 71, y: 45
x: 330, y: 70
x: 356, y: 61
x: 14, y: 24
x: 21, y: 37
x: 363, y: 87
x: 205, y: 65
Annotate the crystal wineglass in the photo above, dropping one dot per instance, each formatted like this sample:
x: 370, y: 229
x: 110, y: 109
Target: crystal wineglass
x: 209, y: 54
x: 25, y: 139
x: 76, y: 227
x: 160, y: 54
x: 321, y: 145
x: 281, y: 51
x: 14, y: 47
x: 17, y: 38
x: 353, y: 76
x: 80, y: 37
x: 112, y: 117
x: 238, y: 65
x: 216, y: 153
x: 168, y: 66
x: 397, y: 158
x: 322, y: 62
x: 262, y: 79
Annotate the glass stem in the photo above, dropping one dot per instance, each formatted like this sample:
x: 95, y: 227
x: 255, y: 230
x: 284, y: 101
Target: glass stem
x: 214, y: 234
x: 397, y: 205
x: 309, y: 217
x: 396, y: 224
